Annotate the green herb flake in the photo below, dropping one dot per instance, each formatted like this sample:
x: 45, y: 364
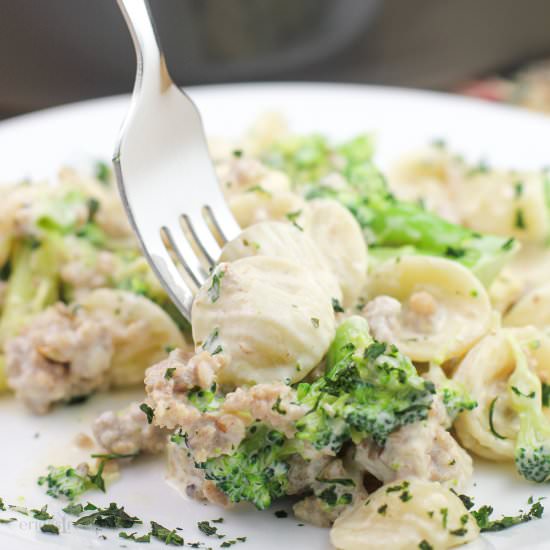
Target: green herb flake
x: 444, y: 515
x: 520, y: 219
x: 149, y: 412
x: 518, y: 189
x: 102, y: 172
x: 518, y: 392
x: 545, y: 395
x: 50, y: 528
x: 315, y: 322
x: 337, y: 306
x: 7, y: 520
x: 425, y: 545
x: 42, y: 514
x: 491, y: 425
x: 111, y: 517
x: 169, y: 373
x: 259, y: 189
x: 382, y: 509
x: 405, y: 496
x: 133, y: 537
x: 170, y: 538
x: 486, y: 524
x: 73, y: 509
x: 292, y: 217
x: 215, y: 286
x: 281, y: 514
x: 460, y: 532
x: 508, y: 244
x: 277, y: 406
x: 114, y: 456
x: 2, y: 505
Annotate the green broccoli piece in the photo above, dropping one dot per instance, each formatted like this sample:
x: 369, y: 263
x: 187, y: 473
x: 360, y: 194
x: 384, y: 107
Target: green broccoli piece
x: 532, y: 452
x: 396, y: 226
x: 205, y: 400
x: 369, y: 390
x: 3, y: 378
x: 452, y: 393
x: 65, y: 481
x: 33, y: 284
x: 256, y: 472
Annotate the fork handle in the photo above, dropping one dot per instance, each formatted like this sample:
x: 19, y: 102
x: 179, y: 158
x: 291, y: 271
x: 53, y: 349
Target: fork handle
x: 152, y: 74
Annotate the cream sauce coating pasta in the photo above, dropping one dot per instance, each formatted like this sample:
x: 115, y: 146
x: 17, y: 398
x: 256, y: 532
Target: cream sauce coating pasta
x: 141, y: 331
x: 339, y: 237
x: 268, y: 316
x: 490, y: 429
x: 432, y: 309
x: 402, y: 515
x: 283, y: 240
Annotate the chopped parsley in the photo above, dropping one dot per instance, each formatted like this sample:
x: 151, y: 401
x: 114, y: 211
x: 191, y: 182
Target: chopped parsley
x: 425, y: 545
x: 133, y: 537
x: 405, y: 496
x: 545, y: 395
x: 112, y: 517
x: 259, y: 189
x: 444, y: 515
x: 50, y: 528
x: 165, y: 535
x: 508, y: 244
x: 210, y: 345
x: 7, y: 520
x: 491, y: 425
x: 113, y: 456
x: 382, y: 509
x: 237, y: 153
x: 486, y: 524
x: 337, y: 306
x: 209, y: 530
x: 215, y: 286
x: 520, y: 219
x: 292, y: 217
x: 277, y: 406
x: 148, y: 411
x: 452, y: 252
x: 73, y: 509
x: 169, y: 373
x: 315, y: 322
x: 518, y: 392
x: 93, y: 208
x: 42, y: 514
x: 102, y: 172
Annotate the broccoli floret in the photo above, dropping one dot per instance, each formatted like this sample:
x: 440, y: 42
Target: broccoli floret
x: 395, y: 226
x: 369, y: 390
x: 65, y: 481
x: 452, y: 393
x: 532, y: 452
x: 256, y: 472
x: 456, y: 399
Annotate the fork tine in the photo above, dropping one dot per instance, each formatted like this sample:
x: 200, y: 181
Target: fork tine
x: 203, y: 237
x: 224, y: 221
x: 167, y: 271
x: 185, y: 254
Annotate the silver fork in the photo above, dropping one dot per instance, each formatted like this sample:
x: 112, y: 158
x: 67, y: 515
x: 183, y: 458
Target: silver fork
x: 165, y: 175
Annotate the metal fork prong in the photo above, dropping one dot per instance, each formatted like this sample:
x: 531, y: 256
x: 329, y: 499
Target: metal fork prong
x: 224, y: 222
x: 203, y: 237
x: 167, y: 271
x: 185, y: 254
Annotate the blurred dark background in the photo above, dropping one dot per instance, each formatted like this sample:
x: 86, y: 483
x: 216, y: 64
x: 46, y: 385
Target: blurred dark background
x: 58, y: 51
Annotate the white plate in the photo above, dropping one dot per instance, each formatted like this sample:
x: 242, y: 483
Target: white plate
x: 36, y: 145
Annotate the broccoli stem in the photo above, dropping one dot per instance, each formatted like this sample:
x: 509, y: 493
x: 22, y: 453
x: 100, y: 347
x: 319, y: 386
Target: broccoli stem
x: 32, y: 286
x: 532, y: 453
x: 3, y: 378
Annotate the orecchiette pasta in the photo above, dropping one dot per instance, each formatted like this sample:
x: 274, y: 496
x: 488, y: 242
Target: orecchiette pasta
x: 532, y: 309
x: 339, y: 237
x: 505, y: 203
x: 402, y: 516
x: 141, y: 332
x: 283, y: 240
x: 432, y: 309
x: 505, y: 290
x: 269, y: 316
x: 490, y: 429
